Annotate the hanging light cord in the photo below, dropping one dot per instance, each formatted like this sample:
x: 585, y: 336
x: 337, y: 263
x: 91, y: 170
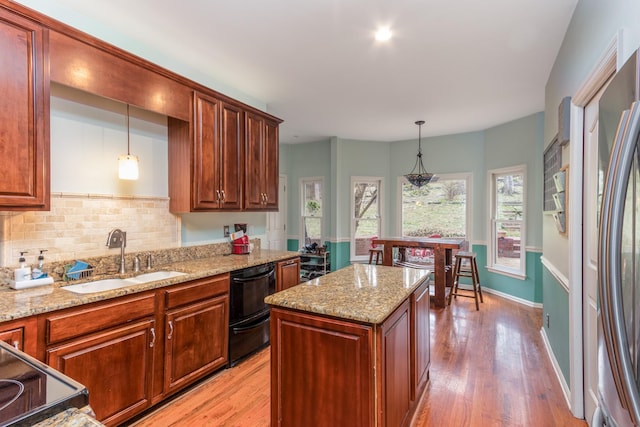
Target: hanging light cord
x: 128, y: 134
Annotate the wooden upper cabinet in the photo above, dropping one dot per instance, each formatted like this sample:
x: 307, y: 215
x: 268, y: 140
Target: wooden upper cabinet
x: 217, y: 153
x: 261, y: 163
x: 24, y: 114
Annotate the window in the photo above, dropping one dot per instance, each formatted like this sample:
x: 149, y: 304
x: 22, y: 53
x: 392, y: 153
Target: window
x: 312, y: 210
x: 438, y: 208
x: 366, y: 222
x: 506, y: 247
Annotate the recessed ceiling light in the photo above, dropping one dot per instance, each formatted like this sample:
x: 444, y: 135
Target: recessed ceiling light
x: 383, y: 34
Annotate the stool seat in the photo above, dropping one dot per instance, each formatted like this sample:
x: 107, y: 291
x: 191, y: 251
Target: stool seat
x: 378, y: 253
x: 466, y: 266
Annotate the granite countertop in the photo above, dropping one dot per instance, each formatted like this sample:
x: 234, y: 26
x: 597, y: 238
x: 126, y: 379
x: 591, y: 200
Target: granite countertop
x: 72, y: 417
x: 15, y: 304
x: 360, y: 292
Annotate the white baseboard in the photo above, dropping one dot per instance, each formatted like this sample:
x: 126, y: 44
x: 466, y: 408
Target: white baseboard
x: 507, y: 296
x: 563, y: 384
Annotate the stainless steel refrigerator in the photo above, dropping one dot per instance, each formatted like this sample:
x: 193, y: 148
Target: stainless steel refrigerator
x: 619, y: 252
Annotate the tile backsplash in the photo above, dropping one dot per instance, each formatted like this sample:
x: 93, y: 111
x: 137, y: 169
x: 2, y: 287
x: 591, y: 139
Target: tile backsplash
x: 78, y: 224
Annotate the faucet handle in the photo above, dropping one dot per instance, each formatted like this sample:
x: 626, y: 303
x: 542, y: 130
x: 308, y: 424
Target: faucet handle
x: 149, y: 261
x: 136, y: 263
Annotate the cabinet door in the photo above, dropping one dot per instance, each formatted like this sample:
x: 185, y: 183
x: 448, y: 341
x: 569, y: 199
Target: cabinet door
x: 287, y: 274
x: 231, y: 149
x: 115, y: 367
x: 322, y: 371
x: 24, y: 114
x: 21, y: 334
x: 254, y: 196
x: 206, y: 156
x: 396, y: 371
x: 261, y: 166
x: 420, y: 344
x: 13, y: 337
x: 196, y: 341
x: 271, y: 168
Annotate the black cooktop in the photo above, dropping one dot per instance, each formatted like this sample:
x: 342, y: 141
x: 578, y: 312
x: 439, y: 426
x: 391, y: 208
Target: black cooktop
x: 31, y: 391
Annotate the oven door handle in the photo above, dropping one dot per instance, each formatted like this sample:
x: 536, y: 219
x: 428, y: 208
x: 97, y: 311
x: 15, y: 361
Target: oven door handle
x: 252, y: 278
x: 245, y: 329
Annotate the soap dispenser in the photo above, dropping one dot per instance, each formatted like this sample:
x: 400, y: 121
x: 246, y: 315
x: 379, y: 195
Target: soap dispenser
x: 37, y: 272
x: 23, y: 273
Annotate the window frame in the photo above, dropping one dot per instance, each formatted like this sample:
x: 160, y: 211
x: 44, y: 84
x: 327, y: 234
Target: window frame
x: 466, y: 176
x: 352, y: 220
x: 492, y: 249
x: 301, y: 185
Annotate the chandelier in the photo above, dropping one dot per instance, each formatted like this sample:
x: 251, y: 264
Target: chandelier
x: 419, y: 175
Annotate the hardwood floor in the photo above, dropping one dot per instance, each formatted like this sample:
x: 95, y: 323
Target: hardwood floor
x: 488, y: 368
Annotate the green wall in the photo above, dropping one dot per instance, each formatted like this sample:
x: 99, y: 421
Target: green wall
x: 556, y: 305
x: 510, y: 144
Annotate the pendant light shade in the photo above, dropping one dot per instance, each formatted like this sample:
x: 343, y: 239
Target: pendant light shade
x: 127, y: 163
x: 419, y: 175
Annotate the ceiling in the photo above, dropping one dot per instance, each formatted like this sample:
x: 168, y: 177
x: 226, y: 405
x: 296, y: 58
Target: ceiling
x: 461, y: 65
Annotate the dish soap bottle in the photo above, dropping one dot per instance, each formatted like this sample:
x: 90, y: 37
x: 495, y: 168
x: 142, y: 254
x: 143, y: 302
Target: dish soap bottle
x: 37, y: 272
x: 23, y: 273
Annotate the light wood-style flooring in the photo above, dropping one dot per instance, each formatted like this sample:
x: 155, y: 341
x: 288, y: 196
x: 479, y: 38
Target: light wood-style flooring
x: 488, y: 368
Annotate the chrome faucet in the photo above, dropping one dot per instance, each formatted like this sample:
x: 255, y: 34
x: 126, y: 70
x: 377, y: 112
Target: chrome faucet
x: 118, y: 239
x: 149, y: 261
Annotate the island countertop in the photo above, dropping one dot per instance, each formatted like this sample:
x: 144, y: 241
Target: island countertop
x: 360, y: 292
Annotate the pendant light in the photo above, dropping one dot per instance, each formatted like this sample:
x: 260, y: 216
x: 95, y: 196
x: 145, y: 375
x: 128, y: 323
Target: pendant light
x: 419, y: 175
x: 128, y: 164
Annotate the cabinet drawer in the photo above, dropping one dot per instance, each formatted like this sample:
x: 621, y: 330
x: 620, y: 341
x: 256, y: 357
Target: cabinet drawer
x: 196, y: 290
x: 91, y: 319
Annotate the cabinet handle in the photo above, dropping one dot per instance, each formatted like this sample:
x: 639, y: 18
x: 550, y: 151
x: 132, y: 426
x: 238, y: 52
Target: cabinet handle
x: 170, y: 330
x: 153, y: 337
x: 16, y: 344
x: 222, y: 193
x: 217, y: 195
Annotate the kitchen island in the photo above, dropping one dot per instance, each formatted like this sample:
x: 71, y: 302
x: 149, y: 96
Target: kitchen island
x: 350, y: 348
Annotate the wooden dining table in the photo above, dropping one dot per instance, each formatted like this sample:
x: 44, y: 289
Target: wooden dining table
x: 443, y: 254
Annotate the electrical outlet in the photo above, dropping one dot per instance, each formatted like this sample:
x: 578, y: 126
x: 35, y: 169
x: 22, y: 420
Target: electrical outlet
x: 548, y: 318
x: 226, y: 231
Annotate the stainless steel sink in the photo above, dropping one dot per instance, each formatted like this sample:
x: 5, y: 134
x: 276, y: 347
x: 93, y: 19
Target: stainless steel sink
x: 111, y: 284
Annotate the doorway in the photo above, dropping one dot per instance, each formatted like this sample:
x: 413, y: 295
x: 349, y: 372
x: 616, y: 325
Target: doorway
x: 276, y: 230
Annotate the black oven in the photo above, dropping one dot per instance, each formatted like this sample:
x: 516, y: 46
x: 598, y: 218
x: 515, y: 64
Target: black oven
x: 249, y: 315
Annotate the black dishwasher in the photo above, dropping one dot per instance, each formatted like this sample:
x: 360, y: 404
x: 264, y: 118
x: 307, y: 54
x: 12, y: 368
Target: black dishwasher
x: 249, y: 315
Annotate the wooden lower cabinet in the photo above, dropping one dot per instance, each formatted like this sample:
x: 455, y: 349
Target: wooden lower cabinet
x: 21, y: 334
x: 196, y: 330
x: 322, y: 371
x: 327, y: 371
x: 134, y: 351
x: 394, y: 363
x: 115, y: 367
x: 287, y: 274
x: 420, y: 340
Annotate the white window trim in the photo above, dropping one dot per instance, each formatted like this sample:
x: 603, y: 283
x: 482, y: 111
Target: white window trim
x: 467, y: 176
x: 301, y: 183
x: 352, y: 207
x: 491, y: 247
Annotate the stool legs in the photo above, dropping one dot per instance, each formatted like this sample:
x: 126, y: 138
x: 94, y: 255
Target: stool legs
x: 471, y: 271
x: 378, y: 254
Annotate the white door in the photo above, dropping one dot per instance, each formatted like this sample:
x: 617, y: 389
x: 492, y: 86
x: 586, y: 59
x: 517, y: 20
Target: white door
x: 591, y: 202
x: 277, y: 221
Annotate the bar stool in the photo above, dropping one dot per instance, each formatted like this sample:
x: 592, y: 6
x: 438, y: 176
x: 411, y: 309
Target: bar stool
x: 466, y: 266
x: 378, y: 253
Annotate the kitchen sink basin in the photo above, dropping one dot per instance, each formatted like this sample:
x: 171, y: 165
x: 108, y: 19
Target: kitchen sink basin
x: 111, y: 284
x: 156, y: 275
x: 100, y: 286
